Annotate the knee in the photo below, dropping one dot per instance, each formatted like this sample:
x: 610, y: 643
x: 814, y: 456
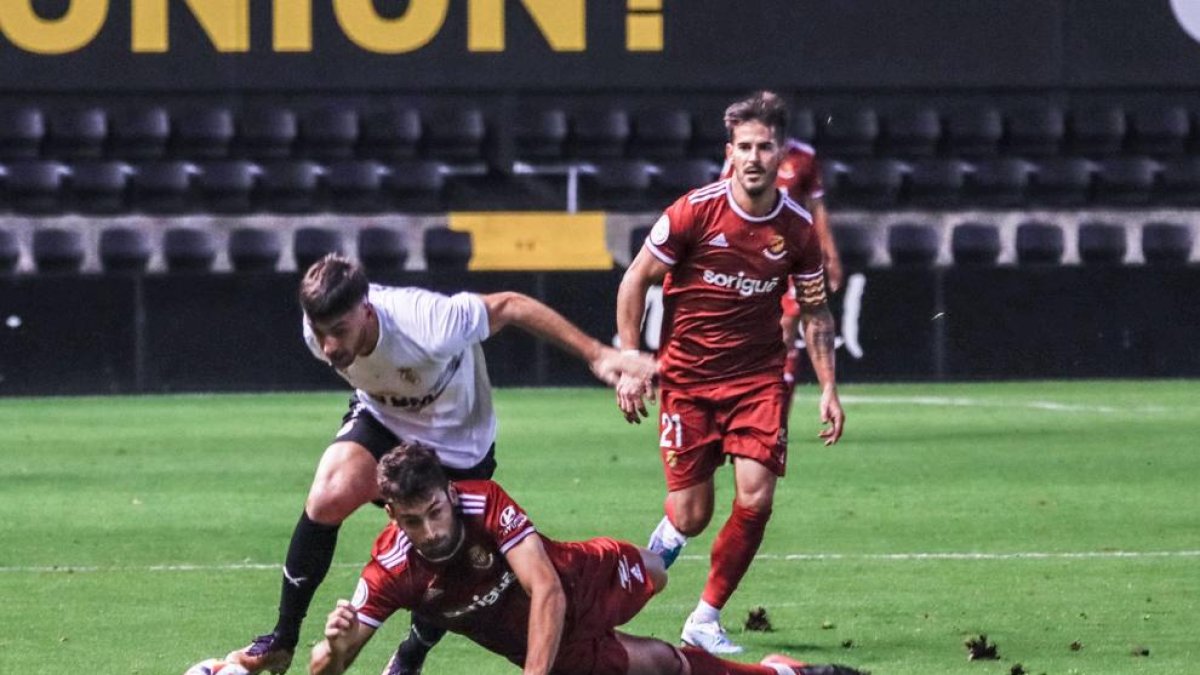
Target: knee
x: 691, y: 520
x: 758, y: 502
x: 331, y: 501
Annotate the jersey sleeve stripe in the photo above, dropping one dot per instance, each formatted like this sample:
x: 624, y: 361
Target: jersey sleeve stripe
x: 811, y: 275
x: 373, y: 623
x: 659, y: 254
x: 518, y: 538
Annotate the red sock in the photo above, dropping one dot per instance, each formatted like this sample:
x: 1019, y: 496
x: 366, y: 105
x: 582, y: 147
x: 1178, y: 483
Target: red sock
x: 703, y: 663
x: 732, y: 552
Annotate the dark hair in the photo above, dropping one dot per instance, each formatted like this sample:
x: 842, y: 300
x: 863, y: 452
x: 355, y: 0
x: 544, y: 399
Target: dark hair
x: 331, y: 287
x: 765, y: 107
x: 410, y: 471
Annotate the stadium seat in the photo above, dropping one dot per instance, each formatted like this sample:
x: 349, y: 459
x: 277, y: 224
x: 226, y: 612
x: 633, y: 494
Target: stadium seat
x: 1126, y: 180
x: 267, y: 133
x: 417, y: 186
x: 57, y: 250
x: 974, y: 243
x: 140, y: 133
x: 661, y: 134
x: 936, y: 183
x: 637, y: 239
x: 1162, y: 131
x: 78, y: 133
x: 163, y: 186
x: 1179, y: 181
x: 124, y: 249
x: 802, y: 125
x: 22, y: 131
x: 391, y: 134
x: 999, y: 181
x: 1039, y: 243
x: 855, y: 244
x: 912, y: 133
x: 709, y: 135
x: 253, y: 250
x: 1102, y: 243
x: 446, y: 249
x: 912, y: 244
x: 310, y: 244
x: 1097, y: 132
x: 872, y: 183
x: 851, y: 133
x: 1035, y: 132
x: 228, y: 186
x: 356, y: 186
x: 1062, y: 181
x: 100, y: 187
x: 330, y: 133
x: 204, y: 133
x: 598, y: 134
x: 617, y: 185
x: 187, y: 249
x: 10, y: 252
x: 677, y: 177
x: 291, y: 186
x: 381, y: 249
x: 36, y: 186
x: 540, y: 134
x: 974, y: 132
x: 456, y: 135
x: 1166, y: 243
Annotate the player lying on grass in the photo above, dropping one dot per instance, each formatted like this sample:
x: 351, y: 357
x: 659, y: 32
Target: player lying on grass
x: 466, y: 557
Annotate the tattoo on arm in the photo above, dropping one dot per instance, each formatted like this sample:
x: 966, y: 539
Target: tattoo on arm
x: 821, y: 335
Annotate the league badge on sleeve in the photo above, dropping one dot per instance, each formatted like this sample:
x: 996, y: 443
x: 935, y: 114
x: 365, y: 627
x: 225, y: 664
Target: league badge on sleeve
x: 662, y: 228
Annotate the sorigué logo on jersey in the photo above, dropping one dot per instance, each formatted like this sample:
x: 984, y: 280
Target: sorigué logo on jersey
x: 744, y: 285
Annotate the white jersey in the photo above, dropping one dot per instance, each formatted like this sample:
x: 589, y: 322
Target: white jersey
x: 426, y: 379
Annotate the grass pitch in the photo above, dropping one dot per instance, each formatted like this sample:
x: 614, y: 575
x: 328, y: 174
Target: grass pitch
x: 140, y: 535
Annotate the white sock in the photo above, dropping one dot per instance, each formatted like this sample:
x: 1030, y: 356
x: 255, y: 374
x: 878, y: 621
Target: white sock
x: 671, y: 537
x: 705, y: 613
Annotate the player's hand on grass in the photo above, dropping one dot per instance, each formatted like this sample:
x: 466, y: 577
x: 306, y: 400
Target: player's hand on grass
x: 833, y: 415
x: 631, y: 397
x: 337, y: 628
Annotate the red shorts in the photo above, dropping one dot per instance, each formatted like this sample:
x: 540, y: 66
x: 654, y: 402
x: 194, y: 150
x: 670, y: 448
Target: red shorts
x: 699, y: 426
x: 608, y: 587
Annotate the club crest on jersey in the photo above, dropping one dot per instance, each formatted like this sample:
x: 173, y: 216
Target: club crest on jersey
x: 672, y: 458
x: 480, y: 557
x: 776, y: 249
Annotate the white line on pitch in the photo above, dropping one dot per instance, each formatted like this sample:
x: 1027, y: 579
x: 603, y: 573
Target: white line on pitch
x: 967, y: 402
x: 792, y: 557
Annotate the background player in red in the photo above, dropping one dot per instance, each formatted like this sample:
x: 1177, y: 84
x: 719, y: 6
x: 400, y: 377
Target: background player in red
x: 724, y: 253
x: 800, y: 176
x: 466, y: 556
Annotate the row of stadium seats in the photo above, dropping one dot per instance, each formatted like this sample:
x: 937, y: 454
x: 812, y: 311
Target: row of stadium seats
x: 190, y: 249
x: 382, y: 249
x: 556, y: 134
x: 366, y: 186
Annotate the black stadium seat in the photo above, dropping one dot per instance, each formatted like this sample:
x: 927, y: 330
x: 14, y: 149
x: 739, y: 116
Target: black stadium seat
x: 356, y: 186
x: 1166, y: 243
x: 291, y: 186
x: 855, y: 244
x: 124, y: 249
x: 1034, y: 132
x: 974, y: 132
x: 446, y: 249
x: 540, y: 135
x: 936, y: 182
x: 417, y: 186
x: 228, y: 186
x: 1039, y: 243
x: 140, y: 133
x: 973, y: 243
x: 1000, y: 181
x: 912, y: 133
x: 392, y: 134
x: 330, y: 133
x: 187, y: 249
x: 1062, y: 181
x: 310, y: 244
x: 456, y: 135
x: 22, y: 131
x: 1097, y: 131
x: 913, y: 244
x: 1160, y: 131
x: 204, y: 133
x: 1126, y: 180
x: 802, y: 125
x: 1102, y: 243
x: 163, y: 187
x: 100, y: 187
x: 10, y: 251
x: 36, y: 187
x: 849, y: 133
x: 677, y: 177
x: 661, y: 134
x: 598, y: 134
x: 78, y: 133
x: 57, y: 250
x: 873, y: 183
x: 617, y: 185
x: 1179, y: 181
x: 253, y: 250
x: 709, y: 135
x: 267, y: 133
x: 381, y: 249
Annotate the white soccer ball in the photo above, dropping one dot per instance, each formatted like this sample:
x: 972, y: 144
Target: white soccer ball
x: 216, y: 667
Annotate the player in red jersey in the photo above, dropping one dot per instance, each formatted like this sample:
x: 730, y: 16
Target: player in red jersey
x: 800, y: 176
x: 724, y: 253
x: 467, y: 558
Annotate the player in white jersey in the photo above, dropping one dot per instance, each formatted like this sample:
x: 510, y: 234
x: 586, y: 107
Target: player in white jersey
x: 415, y: 360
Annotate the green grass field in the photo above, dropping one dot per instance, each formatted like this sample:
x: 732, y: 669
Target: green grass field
x: 140, y: 535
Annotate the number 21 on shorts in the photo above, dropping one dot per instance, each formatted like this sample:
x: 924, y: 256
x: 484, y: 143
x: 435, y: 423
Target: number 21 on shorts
x: 672, y: 431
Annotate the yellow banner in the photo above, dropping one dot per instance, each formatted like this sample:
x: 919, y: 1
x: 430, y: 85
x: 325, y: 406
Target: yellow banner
x: 535, y: 241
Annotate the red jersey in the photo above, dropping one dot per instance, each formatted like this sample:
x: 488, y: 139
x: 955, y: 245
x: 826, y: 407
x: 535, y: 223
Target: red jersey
x: 729, y: 271
x: 477, y: 595
x: 799, y: 172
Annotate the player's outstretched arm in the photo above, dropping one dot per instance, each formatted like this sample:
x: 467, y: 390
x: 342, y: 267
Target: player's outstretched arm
x: 538, y: 319
x: 345, y: 636
x: 547, y: 602
x: 643, y: 272
x: 819, y: 334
